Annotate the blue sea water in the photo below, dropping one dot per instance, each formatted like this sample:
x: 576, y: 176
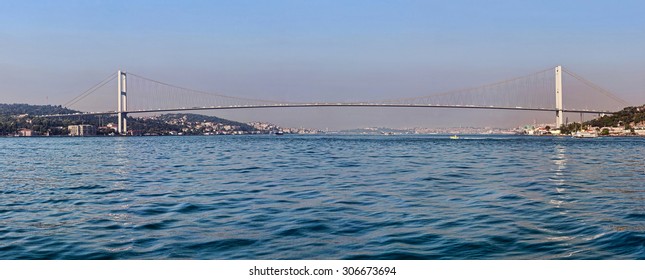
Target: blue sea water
x: 322, y: 197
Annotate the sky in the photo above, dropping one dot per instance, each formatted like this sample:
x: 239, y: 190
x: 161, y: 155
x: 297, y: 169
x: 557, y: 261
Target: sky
x: 51, y: 51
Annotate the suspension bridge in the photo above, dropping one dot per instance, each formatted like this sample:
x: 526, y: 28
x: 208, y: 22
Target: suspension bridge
x: 540, y: 91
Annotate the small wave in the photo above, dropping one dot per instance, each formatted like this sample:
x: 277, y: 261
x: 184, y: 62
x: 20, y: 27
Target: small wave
x: 418, y: 240
x: 394, y: 255
x: 224, y: 244
x: 304, y: 230
x: 154, y: 226
x: 187, y: 208
x: 86, y: 187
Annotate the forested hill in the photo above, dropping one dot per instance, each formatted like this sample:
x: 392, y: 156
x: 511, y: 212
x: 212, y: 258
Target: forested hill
x: 632, y: 116
x: 33, y: 110
x: 14, y: 117
x: 202, y: 118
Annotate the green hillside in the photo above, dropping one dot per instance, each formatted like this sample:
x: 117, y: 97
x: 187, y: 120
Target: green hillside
x: 630, y: 116
x: 14, y: 117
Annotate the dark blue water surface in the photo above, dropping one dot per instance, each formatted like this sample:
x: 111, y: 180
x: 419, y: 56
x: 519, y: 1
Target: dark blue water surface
x: 322, y: 197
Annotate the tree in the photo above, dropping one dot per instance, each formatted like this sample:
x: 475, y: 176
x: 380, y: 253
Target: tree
x: 570, y: 128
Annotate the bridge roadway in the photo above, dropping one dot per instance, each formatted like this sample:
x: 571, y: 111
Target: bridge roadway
x: 306, y: 105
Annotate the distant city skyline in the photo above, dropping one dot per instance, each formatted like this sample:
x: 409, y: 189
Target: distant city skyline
x: 50, y: 51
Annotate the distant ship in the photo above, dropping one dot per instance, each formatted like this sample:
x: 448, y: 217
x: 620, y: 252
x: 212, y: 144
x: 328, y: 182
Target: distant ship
x: 454, y: 137
x: 585, y: 134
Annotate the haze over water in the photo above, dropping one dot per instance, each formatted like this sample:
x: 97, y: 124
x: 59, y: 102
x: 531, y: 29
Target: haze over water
x: 322, y: 197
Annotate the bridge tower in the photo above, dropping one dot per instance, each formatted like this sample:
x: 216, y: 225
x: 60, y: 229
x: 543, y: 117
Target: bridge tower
x: 559, y: 115
x: 122, y: 103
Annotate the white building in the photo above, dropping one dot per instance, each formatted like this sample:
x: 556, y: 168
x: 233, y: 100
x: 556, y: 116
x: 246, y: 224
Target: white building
x: 81, y: 130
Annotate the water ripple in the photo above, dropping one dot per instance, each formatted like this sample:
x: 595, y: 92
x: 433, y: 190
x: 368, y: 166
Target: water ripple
x: 322, y: 197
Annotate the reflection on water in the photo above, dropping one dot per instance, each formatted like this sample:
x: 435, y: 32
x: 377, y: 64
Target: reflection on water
x: 329, y: 197
x: 560, y: 162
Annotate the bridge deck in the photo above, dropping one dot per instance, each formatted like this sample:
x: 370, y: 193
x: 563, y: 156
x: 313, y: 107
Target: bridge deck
x: 306, y: 105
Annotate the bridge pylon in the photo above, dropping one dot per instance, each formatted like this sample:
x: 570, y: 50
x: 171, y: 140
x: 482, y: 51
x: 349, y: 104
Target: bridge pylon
x: 122, y: 103
x: 559, y: 115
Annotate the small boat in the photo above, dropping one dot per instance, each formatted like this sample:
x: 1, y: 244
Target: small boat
x: 279, y: 132
x: 586, y: 134
x: 454, y: 137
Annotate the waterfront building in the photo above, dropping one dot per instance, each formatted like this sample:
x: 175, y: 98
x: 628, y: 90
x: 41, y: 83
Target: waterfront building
x: 81, y: 130
x: 25, y: 132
